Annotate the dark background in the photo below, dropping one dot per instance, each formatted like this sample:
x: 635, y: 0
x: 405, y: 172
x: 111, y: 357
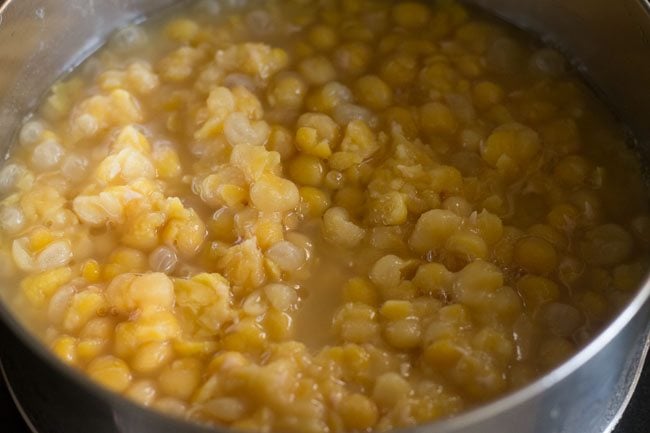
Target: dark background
x: 635, y: 420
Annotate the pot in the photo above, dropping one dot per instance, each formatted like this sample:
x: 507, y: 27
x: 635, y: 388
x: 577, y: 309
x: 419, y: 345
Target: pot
x: 608, y: 40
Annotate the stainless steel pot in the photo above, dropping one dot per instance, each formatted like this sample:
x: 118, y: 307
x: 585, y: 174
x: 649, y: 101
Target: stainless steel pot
x: 40, y: 39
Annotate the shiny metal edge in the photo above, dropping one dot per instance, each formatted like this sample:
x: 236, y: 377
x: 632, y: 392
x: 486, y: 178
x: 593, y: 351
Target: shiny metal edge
x: 630, y: 393
x: 14, y: 398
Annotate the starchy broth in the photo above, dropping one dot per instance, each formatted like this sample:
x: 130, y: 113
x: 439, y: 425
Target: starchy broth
x: 320, y: 216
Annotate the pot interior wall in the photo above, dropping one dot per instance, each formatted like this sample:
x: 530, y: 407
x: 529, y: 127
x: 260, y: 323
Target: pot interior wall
x: 41, y: 40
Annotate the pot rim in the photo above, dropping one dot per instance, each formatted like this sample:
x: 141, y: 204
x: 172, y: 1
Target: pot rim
x: 446, y: 425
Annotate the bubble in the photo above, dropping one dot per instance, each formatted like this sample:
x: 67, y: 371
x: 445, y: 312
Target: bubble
x: 30, y: 133
x: 129, y: 38
x: 47, y: 155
